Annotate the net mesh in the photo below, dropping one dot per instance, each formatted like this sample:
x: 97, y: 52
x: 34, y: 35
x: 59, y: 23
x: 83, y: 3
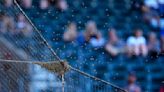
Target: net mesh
x: 21, y: 41
x: 22, y: 36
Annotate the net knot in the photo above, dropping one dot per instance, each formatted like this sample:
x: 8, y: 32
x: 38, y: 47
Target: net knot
x: 57, y: 67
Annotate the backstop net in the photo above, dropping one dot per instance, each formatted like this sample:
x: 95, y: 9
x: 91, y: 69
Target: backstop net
x: 22, y: 47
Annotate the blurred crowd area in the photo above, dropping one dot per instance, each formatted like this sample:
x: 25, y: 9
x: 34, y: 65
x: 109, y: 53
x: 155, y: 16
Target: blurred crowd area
x: 121, y: 35
x: 91, y: 25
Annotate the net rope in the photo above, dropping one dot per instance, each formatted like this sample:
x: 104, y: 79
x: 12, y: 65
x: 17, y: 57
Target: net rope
x: 64, y: 79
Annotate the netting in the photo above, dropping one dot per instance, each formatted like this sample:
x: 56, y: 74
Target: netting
x: 21, y: 44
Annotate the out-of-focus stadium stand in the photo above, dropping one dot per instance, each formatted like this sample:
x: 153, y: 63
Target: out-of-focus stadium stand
x: 123, y: 15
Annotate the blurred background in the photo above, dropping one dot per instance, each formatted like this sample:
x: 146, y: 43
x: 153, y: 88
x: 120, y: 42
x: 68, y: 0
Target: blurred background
x: 121, y: 41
